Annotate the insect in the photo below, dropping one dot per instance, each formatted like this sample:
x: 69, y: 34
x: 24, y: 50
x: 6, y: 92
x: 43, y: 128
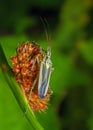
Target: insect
x: 44, y: 74
x: 45, y: 68
x: 32, y: 67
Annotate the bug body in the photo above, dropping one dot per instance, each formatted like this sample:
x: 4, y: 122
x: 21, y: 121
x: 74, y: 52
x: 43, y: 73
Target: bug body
x: 44, y: 74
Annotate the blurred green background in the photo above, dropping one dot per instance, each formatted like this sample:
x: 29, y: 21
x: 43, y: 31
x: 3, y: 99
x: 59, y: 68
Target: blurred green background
x: 71, y: 29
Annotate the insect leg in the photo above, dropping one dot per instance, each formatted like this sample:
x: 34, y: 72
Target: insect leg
x: 26, y: 108
x: 30, y: 95
x: 32, y: 88
x: 36, y: 60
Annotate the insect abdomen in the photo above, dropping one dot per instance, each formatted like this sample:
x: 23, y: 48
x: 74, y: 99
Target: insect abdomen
x: 44, y: 78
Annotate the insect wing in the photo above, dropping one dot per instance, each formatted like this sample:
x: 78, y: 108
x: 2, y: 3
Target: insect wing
x: 44, y: 77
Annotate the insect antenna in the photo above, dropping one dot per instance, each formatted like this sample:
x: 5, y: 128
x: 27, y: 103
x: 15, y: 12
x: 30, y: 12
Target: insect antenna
x: 46, y: 29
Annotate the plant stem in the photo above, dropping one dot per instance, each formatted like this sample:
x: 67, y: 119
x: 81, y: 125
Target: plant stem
x: 20, y: 97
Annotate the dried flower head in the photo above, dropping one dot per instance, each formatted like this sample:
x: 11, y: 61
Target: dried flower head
x: 26, y: 70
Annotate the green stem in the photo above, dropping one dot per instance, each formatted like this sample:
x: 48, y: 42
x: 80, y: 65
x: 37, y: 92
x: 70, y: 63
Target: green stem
x: 21, y: 99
